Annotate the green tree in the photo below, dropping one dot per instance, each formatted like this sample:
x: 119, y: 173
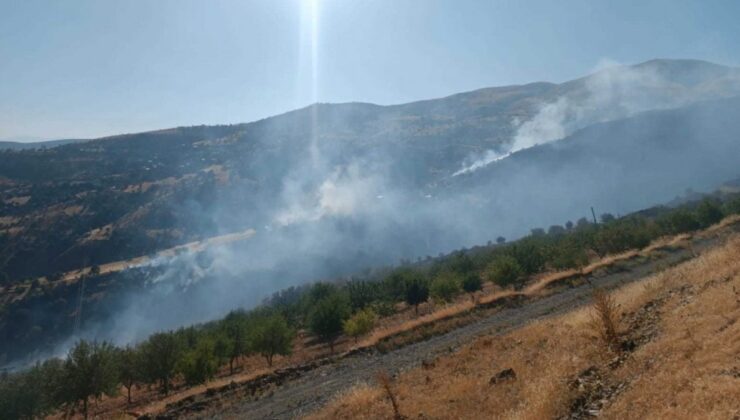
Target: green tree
x: 360, y: 323
x: 708, y: 213
x: 417, y: 291
x: 362, y: 293
x: 160, y: 354
x: 445, y: 287
x: 471, y: 284
x: 33, y: 393
x: 500, y: 240
x: 529, y: 254
x: 200, y: 364
x: 679, y: 221
x: 129, y: 369
x: 272, y: 336
x: 327, y: 318
x: 504, y: 270
x: 236, y: 327
x: 90, y: 371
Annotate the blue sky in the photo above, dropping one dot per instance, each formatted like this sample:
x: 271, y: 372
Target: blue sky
x: 80, y: 69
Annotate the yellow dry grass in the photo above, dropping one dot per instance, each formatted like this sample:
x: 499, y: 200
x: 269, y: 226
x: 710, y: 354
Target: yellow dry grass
x: 689, y: 370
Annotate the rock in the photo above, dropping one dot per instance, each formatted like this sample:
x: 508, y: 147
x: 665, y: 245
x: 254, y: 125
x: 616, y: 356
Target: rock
x: 427, y: 364
x: 503, y: 376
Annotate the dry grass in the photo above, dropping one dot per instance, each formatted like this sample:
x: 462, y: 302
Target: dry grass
x: 689, y: 370
x: 605, y: 320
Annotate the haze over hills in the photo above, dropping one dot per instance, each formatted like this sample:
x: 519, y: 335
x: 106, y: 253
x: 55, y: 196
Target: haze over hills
x: 32, y: 143
x: 334, y: 188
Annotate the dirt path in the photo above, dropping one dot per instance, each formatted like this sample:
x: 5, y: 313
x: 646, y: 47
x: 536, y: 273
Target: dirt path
x: 308, y: 390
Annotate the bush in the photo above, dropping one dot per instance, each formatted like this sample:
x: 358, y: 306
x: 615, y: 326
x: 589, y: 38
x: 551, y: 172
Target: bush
x: 445, y: 287
x: 417, y: 291
x: 504, y: 271
x: 360, y: 323
x: 235, y: 327
x: 199, y: 365
x: 678, y: 221
x: 708, y: 213
x: 569, y: 253
x: 529, y: 254
x: 160, y: 355
x: 362, y: 293
x: 272, y: 336
x: 90, y: 371
x: 732, y: 206
x: 327, y: 318
x: 472, y: 283
x: 129, y: 369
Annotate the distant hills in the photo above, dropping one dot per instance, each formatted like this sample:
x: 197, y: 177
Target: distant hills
x: 157, y: 189
x: 332, y: 189
x: 32, y: 143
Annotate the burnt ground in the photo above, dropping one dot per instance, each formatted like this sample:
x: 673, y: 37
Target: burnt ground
x: 294, y: 392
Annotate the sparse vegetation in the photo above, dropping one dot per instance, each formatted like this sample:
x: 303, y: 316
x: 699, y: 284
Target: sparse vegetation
x: 272, y: 336
x: 328, y: 309
x: 682, y: 363
x: 444, y: 287
x: 360, y: 323
x: 327, y: 318
x: 605, y: 320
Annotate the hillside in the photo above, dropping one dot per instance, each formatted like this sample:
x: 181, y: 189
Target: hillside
x: 126, y: 196
x: 332, y: 189
x: 679, y: 338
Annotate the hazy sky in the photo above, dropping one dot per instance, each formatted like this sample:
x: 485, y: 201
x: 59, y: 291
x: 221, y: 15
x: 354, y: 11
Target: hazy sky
x: 92, y: 68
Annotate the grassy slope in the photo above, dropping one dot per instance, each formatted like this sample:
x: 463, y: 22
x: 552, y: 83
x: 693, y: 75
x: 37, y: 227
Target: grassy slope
x: 684, y: 319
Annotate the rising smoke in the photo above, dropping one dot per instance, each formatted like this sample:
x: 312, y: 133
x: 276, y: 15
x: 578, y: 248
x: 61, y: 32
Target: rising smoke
x: 324, y: 210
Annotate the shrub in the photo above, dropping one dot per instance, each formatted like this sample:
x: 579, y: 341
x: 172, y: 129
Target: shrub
x: 272, y: 336
x: 360, y: 323
x: 235, y: 327
x: 199, y: 365
x: 529, y: 254
x: 129, y: 369
x: 472, y: 283
x: 708, y: 213
x: 417, y: 291
x: 445, y: 287
x: 678, y: 221
x: 605, y: 319
x: 504, y: 271
x: 732, y: 206
x: 90, y: 371
x: 362, y: 293
x: 327, y: 318
x: 160, y: 354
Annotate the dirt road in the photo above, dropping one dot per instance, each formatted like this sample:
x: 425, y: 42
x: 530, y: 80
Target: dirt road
x: 309, y: 390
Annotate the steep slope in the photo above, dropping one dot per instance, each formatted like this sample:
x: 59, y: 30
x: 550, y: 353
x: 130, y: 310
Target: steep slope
x: 125, y: 196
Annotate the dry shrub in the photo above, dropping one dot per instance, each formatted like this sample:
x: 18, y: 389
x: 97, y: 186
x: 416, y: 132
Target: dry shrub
x: 605, y: 319
x: 385, y: 381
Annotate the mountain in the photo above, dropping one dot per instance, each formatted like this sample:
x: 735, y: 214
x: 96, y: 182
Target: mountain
x: 155, y: 190
x: 331, y: 189
x: 24, y: 143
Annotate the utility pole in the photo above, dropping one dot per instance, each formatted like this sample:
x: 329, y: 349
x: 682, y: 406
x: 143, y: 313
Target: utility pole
x: 593, y: 213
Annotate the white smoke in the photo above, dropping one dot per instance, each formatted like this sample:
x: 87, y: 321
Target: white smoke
x: 344, y: 192
x: 614, y: 91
